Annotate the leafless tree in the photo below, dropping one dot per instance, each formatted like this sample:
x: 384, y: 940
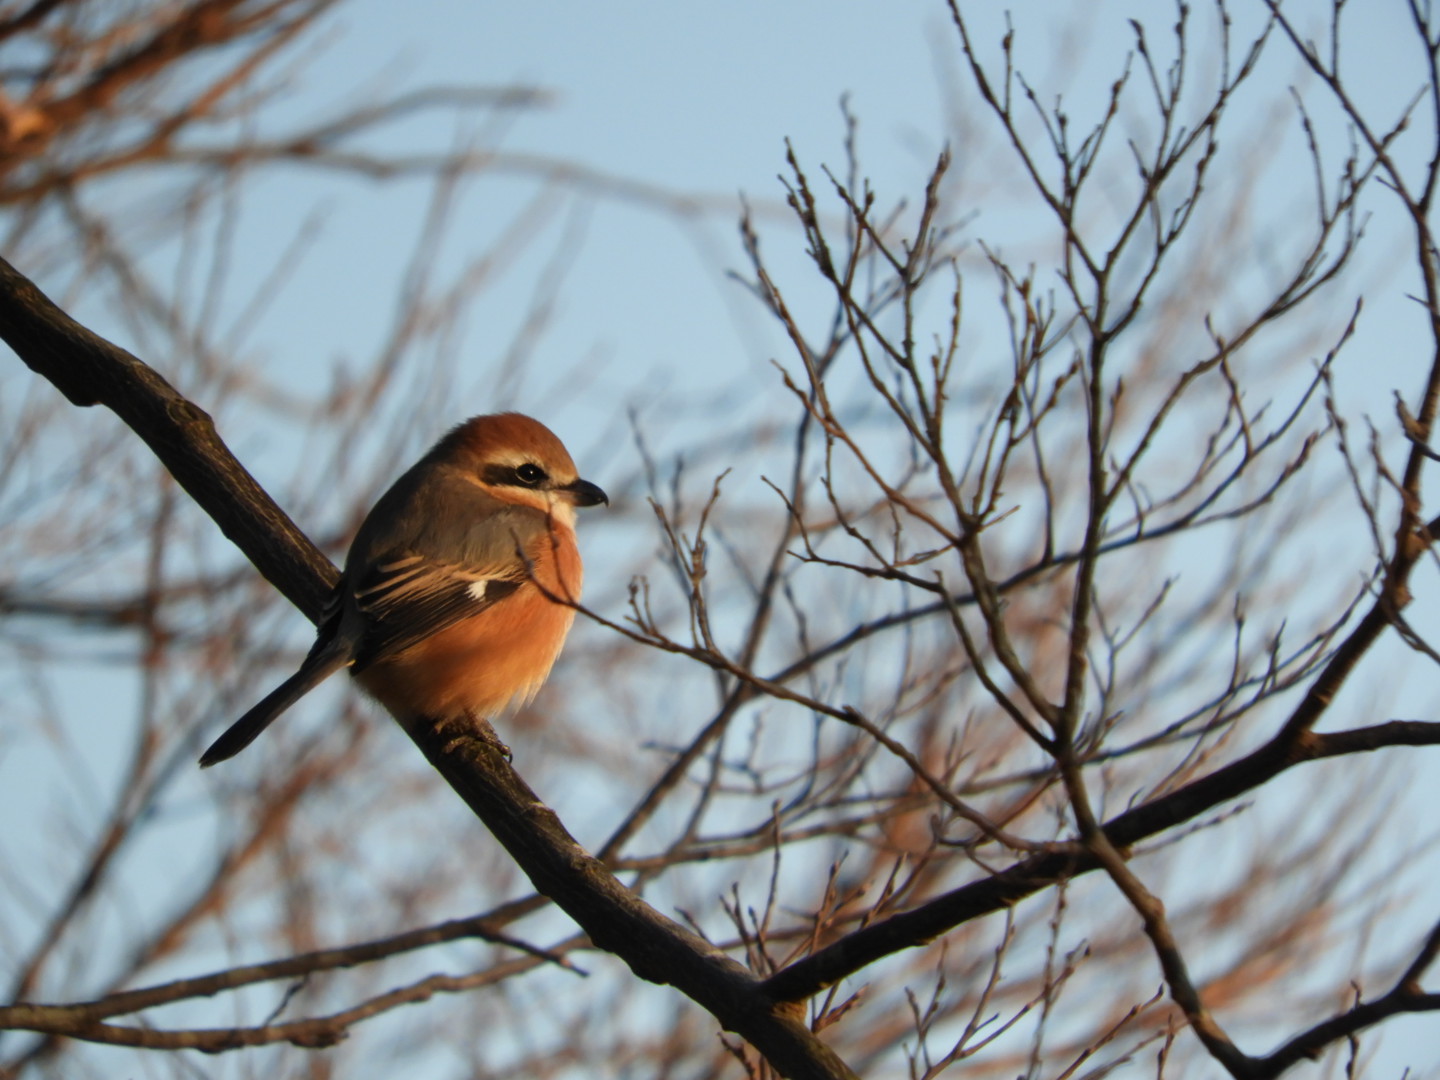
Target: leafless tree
x: 1003, y: 697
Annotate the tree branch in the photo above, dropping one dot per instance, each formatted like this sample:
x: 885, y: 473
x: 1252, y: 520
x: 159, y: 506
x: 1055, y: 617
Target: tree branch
x: 923, y: 924
x: 90, y: 371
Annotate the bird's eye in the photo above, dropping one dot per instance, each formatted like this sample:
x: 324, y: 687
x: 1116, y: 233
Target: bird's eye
x: 529, y: 474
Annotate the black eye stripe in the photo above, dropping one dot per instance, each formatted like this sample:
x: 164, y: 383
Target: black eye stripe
x: 526, y: 475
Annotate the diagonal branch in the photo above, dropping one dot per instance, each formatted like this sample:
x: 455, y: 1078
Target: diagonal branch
x: 921, y: 925
x: 90, y: 371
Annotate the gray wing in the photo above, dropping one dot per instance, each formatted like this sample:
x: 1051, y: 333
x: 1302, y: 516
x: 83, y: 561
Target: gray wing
x: 406, y: 598
x: 435, y: 550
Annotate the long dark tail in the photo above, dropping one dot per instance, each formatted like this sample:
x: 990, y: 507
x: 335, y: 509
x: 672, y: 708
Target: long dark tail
x: 318, y: 666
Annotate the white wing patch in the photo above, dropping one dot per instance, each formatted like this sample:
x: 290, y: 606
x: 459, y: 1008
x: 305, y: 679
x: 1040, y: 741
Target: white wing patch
x: 406, y: 598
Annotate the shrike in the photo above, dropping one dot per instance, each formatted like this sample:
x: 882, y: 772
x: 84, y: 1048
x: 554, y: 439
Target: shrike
x: 452, y: 599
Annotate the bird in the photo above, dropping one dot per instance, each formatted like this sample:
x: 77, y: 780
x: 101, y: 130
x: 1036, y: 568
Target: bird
x: 458, y: 589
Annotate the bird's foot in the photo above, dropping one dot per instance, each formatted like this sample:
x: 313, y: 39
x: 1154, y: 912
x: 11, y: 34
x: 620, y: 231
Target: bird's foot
x: 473, y: 726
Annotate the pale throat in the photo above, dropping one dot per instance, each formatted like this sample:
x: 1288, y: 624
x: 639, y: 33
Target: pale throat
x: 561, y: 510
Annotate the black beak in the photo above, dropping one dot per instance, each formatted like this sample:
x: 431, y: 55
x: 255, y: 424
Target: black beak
x: 584, y: 493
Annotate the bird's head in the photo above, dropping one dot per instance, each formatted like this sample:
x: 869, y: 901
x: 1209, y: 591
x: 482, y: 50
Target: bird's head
x: 519, y: 460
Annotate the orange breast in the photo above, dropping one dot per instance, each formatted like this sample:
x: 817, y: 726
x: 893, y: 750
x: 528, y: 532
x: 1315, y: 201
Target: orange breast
x: 496, y: 659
